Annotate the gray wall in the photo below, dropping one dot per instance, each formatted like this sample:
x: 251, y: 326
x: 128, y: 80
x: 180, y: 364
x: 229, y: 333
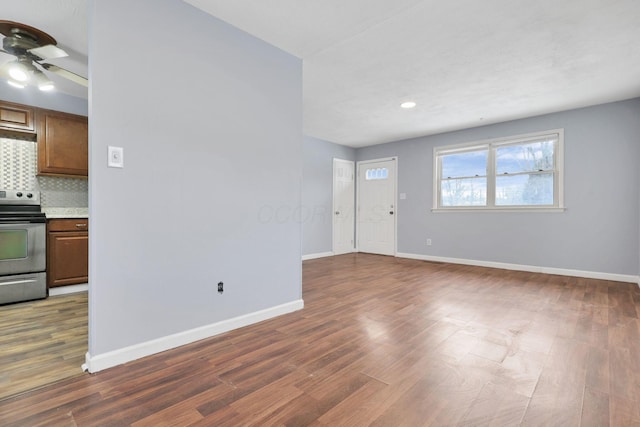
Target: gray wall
x: 317, y: 193
x: 599, y: 229
x: 49, y: 100
x: 210, y: 119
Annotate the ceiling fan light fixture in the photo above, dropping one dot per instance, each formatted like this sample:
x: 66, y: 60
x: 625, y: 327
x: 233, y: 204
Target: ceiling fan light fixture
x: 16, y: 84
x: 18, y: 72
x: 44, y: 84
x: 30, y: 46
x: 46, y: 87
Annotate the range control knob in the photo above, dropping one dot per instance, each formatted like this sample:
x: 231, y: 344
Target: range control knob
x: 29, y: 195
x: 19, y: 194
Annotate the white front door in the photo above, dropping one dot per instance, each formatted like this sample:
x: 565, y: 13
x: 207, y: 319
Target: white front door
x: 377, y: 206
x: 343, y: 206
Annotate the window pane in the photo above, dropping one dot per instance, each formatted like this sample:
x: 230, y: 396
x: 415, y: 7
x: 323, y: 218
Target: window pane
x: 463, y: 192
x: 535, y: 156
x: 473, y: 163
x: 379, y: 173
x: 525, y: 189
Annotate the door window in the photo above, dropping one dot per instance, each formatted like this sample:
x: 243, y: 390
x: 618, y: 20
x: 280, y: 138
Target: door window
x: 377, y: 173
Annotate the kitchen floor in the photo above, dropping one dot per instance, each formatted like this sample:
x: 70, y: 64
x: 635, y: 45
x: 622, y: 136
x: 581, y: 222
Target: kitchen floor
x: 42, y: 342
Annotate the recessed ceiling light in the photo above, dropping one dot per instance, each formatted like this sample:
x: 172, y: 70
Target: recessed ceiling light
x: 408, y: 104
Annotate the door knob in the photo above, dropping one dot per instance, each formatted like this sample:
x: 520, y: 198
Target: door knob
x: 337, y: 212
x: 391, y: 213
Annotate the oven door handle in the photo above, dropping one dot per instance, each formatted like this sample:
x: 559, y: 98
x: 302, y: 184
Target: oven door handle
x: 10, y: 222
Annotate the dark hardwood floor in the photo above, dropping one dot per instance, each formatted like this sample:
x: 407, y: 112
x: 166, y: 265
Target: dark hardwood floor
x: 41, y: 342
x: 385, y: 342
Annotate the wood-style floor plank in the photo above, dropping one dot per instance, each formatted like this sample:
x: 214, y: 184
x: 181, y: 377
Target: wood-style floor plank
x: 42, y: 342
x: 385, y: 342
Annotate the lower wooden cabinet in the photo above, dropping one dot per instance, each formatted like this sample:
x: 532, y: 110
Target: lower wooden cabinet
x: 67, y: 251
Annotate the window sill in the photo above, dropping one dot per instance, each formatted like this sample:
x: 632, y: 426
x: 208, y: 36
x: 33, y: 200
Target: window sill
x: 494, y: 210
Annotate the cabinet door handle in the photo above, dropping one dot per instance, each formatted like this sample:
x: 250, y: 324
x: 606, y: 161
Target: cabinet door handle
x: 81, y: 225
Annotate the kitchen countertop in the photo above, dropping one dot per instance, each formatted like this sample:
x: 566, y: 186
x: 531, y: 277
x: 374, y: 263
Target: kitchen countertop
x: 66, y: 212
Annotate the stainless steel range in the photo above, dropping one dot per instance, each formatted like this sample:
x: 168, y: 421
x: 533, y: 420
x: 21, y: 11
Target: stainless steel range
x: 23, y: 258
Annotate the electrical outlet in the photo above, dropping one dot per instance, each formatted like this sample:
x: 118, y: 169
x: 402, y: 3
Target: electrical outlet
x: 220, y: 287
x: 428, y: 242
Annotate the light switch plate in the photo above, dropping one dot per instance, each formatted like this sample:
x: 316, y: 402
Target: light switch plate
x: 116, y: 157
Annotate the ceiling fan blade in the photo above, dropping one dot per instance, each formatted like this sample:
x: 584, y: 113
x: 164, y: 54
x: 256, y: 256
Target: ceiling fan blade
x: 66, y: 74
x: 48, y: 52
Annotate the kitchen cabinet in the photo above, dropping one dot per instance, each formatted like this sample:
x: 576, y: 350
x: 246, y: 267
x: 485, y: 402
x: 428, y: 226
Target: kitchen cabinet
x: 63, y: 144
x: 67, y: 251
x: 16, y: 117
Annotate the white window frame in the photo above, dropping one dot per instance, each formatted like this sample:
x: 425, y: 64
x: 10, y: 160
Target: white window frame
x: 491, y: 145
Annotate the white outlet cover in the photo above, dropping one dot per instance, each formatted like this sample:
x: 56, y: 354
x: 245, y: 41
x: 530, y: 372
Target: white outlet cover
x: 116, y: 157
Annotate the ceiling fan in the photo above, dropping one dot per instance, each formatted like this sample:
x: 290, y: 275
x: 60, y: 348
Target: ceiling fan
x: 31, y: 46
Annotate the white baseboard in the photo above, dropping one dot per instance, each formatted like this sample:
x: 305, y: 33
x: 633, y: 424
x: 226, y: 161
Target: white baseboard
x: 529, y: 268
x: 117, y: 357
x: 318, y: 255
x: 70, y: 289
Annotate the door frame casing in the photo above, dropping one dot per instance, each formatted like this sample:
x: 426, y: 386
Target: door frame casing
x: 333, y: 204
x: 395, y: 201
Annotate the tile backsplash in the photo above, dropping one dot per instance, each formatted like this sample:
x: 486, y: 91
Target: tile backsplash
x: 63, y: 192
x: 18, y: 160
x: 17, y: 164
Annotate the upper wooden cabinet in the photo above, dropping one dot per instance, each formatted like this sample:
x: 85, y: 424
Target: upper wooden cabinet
x: 63, y: 144
x: 17, y: 117
x: 63, y: 139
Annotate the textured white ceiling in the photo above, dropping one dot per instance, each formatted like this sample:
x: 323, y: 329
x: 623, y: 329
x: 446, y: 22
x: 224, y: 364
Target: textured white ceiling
x: 65, y: 21
x: 465, y: 62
